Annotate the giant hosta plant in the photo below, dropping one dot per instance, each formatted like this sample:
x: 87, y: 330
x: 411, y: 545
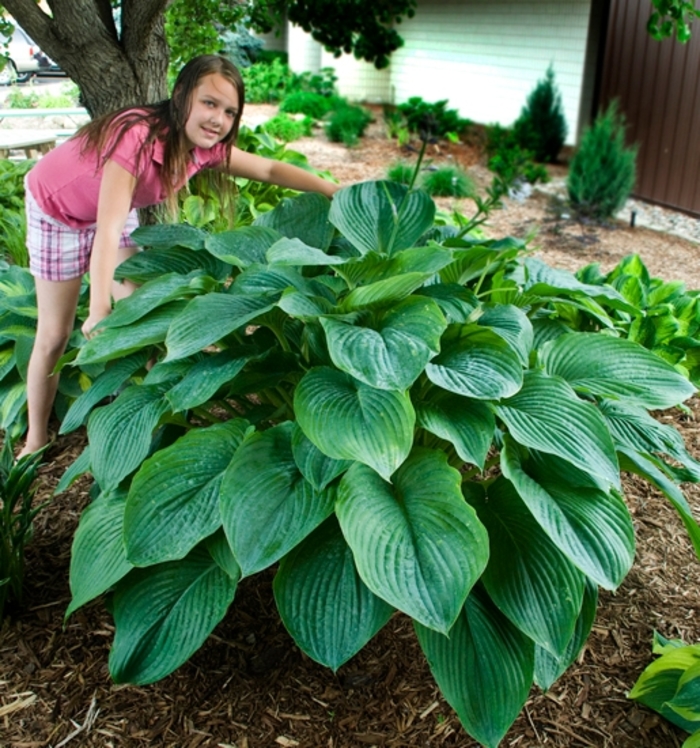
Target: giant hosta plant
x: 395, y: 417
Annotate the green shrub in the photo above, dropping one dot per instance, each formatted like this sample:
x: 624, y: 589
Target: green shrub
x: 448, y: 181
x: 22, y: 98
x: 436, y: 422
x: 509, y: 161
x: 541, y: 127
x: 307, y: 102
x: 286, y: 128
x: 400, y: 172
x: 322, y: 83
x: 670, y: 685
x: 17, y: 489
x: 13, y: 229
x: 347, y: 124
x: 431, y: 120
x: 241, y: 47
x: 602, y: 172
x: 266, y: 82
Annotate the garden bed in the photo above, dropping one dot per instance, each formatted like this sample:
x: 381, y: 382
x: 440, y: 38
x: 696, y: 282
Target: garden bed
x: 250, y: 686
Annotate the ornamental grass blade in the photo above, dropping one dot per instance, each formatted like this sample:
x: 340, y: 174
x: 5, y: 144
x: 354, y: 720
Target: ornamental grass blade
x: 267, y: 505
x: 349, y: 420
x: 424, y: 547
x: 480, y: 365
x: 546, y: 415
x: 381, y: 216
x: 164, y: 613
x: 98, y: 556
x: 392, y: 354
x: 323, y: 603
x: 484, y: 669
x: 590, y: 526
x: 527, y: 576
x: 612, y: 367
x: 125, y: 428
x: 173, y: 501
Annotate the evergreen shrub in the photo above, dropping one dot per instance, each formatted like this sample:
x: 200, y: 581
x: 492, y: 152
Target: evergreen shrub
x: 541, y: 126
x: 307, y: 102
x: 431, y: 119
x: 602, y: 172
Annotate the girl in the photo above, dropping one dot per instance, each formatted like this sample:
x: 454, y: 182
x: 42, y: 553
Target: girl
x: 81, y: 200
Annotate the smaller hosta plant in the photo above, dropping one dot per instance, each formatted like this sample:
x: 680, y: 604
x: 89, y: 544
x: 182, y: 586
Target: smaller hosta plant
x: 671, y: 685
x: 448, y: 181
x: 347, y: 123
x: 602, y: 172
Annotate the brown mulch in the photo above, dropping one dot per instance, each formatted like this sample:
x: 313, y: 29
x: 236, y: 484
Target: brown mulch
x: 250, y: 687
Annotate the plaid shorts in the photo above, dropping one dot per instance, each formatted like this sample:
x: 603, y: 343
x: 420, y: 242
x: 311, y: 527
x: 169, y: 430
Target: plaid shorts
x: 58, y: 252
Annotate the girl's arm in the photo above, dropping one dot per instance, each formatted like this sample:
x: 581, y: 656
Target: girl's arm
x: 249, y: 166
x: 113, y: 206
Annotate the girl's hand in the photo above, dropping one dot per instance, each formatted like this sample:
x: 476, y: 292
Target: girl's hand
x: 92, y: 321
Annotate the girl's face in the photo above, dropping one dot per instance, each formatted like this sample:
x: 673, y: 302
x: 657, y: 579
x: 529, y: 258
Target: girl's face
x: 214, y: 106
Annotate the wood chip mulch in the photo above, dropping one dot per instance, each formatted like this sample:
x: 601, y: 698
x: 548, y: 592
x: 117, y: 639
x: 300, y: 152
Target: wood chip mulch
x: 250, y: 687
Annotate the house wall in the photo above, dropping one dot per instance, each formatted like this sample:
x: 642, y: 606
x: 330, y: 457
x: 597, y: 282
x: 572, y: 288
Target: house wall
x: 484, y: 56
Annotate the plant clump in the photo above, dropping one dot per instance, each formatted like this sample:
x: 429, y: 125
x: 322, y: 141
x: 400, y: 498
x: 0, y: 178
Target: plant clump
x: 448, y: 181
x: 541, y: 127
x: 286, y: 128
x: 310, y: 103
x: 603, y: 170
x: 347, y: 123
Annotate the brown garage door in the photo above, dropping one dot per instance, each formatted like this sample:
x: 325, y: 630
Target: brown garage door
x: 658, y: 86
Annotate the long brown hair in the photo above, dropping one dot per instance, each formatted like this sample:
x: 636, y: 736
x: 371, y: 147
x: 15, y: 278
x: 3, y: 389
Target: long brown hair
x: 166, y: 122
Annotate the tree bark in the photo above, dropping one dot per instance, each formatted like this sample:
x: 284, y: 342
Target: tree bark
x: 112, y: 69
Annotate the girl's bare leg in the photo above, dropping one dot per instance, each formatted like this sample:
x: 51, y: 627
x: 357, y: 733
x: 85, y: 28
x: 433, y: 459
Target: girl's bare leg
x: 122, y: 289
x: 56, y: 303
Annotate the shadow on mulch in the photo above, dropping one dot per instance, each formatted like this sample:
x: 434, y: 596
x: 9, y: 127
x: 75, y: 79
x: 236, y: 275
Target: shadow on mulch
x: 249, y: 686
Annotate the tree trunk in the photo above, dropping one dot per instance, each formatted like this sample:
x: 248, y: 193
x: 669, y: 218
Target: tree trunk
x: 112, y: 67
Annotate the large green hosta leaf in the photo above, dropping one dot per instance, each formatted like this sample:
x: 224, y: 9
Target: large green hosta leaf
x: 304, y: 217
x: 204, y: 378
x: 547, y: 667
x: 164, y: 235
x: 266, y: 504
x: 208, y: 319
x: 548, y: 416
x: 479, y: 364
x: 456, y: 302
x: 643, y: 465
x: 467, y: 424
x: 294, y: 252
x: 393, y: 355
x: 527, y: 576
x: 384, y: 292
x: 322, y: 601
x: 590, y: 526
x: 164, y: 613
x: 374, y: 267
x: 145, y: 266
x: 118, y: 342
x: 120, y: 433
x: 613, y: 367
x: 416, y: 543
x: 349, y: 420
x: 513, y: 325
x: 98, y: 556
x: 382, y: 216
x: 484, y: 669
x: 106, y: 384
x: 173, y: 501
x: 317, y: 468
x: 158, y: 292
x: 242, y: 247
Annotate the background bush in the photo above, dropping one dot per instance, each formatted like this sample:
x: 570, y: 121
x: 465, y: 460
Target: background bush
x: 541, y: 127
x: 433, y: 120
x: 602, y: 172
x: 448, y: 181
x: 286, y: 128
x: 347, y: 124
x: 308, y: 102
x: 509, y: 160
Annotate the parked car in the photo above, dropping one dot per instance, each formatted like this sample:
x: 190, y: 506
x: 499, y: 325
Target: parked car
x: 24, y: 58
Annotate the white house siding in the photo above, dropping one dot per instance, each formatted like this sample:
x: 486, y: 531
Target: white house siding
x: 484, y: 56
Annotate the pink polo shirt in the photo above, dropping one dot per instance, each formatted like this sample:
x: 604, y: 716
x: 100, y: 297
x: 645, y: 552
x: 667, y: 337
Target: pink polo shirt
x: 66, y: 183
